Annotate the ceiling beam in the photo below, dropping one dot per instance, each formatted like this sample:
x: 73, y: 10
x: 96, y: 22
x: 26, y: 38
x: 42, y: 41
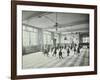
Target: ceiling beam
x: 37, y: 14
x: 27, y: 25
x: 72, y: 24
x: 70, y: 30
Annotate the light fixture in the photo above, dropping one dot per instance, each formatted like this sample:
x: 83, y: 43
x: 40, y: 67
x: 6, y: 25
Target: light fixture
x: 56, y: 25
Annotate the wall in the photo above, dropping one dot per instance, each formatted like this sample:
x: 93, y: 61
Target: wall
x: 5, y: 40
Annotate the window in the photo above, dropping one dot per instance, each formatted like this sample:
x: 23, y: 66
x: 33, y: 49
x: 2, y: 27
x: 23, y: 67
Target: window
x: 85, y: 39
x: 62, y: 39
x: 47, y: 37
x: 34, y: 37
x: 25, y: 38
x: 57, y: 38
x: 30, y: 36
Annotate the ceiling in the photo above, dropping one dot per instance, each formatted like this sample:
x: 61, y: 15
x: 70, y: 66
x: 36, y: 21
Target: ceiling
x: 66, y: 22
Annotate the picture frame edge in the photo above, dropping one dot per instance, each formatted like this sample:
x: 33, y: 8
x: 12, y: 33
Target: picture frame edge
x: 14, y: 40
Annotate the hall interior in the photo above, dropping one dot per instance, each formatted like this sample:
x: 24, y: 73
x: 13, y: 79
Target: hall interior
x: 54, y: 39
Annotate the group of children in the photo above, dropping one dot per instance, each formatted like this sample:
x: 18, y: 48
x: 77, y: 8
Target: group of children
x: 60, y: 50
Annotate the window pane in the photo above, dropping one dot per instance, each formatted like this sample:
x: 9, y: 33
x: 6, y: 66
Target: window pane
x: 34, y: 38
x: 25, y: 38
x: 57, y: 38
x: 85, y: 39
x: 30, y: 36
x: 62, y: 39
x: 47, y: 37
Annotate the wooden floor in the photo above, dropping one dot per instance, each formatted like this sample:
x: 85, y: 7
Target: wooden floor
x: 39, y: 60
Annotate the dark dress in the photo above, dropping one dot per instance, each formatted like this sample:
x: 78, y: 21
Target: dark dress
x: 78, y: 50
x: 46, y: 52
x: 68, y: 52
x: 74, y: 50
x: 60, y: 54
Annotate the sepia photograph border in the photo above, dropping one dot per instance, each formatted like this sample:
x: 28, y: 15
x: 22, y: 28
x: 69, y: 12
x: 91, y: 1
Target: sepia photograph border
x: 14, y: 35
